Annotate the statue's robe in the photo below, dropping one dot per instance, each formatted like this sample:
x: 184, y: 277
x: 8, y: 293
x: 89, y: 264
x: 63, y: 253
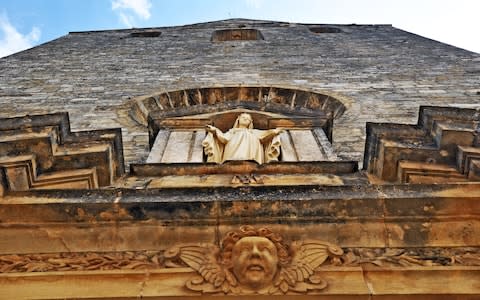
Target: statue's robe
x: 243, y: 144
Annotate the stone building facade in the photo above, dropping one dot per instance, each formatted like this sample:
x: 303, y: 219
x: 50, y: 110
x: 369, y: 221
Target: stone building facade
x: 105, y: 191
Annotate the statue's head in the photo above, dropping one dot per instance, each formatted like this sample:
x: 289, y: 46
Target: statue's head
x: 244, y: 120
x: 254, y: 255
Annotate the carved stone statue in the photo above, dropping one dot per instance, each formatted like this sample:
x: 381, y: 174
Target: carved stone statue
x: 242, y: 142
x: 255, y: 261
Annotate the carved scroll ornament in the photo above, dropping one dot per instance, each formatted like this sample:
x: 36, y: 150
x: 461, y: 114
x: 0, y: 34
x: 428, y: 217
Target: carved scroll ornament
x: 423, y: 257
x: 81, y: 261
x: 255, y: 261
x: 151, y: 260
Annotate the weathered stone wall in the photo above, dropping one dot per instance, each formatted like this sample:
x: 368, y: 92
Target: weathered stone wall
x: 383, y: 74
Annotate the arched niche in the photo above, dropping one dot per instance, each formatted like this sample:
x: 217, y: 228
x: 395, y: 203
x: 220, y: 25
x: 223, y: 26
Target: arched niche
x: 176, y: 120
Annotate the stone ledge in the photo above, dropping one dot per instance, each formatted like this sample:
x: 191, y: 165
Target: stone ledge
x: 343, y: 283
x: 244, y: 167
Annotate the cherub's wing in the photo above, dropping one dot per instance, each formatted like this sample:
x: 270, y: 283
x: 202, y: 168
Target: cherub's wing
x: 203, y: 259
x: 308, y: 256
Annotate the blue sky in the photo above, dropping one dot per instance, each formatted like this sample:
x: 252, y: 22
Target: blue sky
x: 27, y: 23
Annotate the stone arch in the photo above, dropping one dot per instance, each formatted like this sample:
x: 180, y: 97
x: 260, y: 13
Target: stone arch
x: 194, y: 100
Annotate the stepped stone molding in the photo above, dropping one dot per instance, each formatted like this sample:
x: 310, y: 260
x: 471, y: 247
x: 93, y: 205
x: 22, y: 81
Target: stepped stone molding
x: 443, y: 147
x: 40, y: 152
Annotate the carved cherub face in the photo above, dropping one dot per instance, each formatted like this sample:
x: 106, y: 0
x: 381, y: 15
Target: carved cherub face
x: 255, y: 261
x: 254, y: 256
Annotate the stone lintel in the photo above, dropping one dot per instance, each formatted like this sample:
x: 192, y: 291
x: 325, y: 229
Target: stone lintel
x: 109, y: 220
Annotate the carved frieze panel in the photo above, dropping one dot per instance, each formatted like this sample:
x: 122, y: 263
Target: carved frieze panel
x: 407, y: 257
x: 443, y: 147
x: 81, y: 261
x: 141, y: 260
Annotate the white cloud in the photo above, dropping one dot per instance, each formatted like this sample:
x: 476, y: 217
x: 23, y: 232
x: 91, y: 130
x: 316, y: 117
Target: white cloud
x: 128, y: 9
x: 126, y: 19
x: 12, y: 41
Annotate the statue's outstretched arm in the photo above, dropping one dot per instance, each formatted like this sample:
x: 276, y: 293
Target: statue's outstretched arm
x: 267, y: 135
x: 213, y: 144
x: 271, y: 144
x: 217, y: 134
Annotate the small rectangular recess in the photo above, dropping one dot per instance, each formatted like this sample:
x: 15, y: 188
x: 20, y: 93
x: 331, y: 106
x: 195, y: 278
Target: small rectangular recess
x: 237, y: 35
